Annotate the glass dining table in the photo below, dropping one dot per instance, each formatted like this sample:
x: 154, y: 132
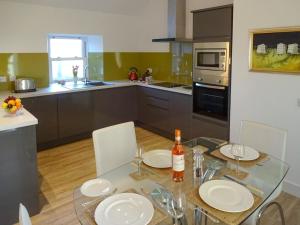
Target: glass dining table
x: 261, y: 177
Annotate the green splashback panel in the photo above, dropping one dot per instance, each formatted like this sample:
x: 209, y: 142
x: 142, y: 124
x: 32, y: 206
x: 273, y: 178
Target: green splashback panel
x: 115, y: 66
x: 24, y: 65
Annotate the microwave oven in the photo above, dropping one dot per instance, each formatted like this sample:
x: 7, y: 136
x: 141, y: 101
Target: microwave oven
x: 211, y: 63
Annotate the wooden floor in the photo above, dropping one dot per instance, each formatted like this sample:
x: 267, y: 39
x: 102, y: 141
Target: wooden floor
x: 66, y: 167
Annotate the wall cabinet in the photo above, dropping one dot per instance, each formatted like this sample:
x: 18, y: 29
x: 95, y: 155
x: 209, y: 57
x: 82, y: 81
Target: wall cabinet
x: 75, y: 114
x: 114, y: 105
x: 213, y: 24
x: 44, y: 108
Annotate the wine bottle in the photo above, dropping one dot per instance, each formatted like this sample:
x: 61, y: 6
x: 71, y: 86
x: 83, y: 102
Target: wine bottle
x: 178, y: 158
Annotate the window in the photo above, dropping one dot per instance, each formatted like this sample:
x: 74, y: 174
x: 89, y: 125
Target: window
x: 66, y: 51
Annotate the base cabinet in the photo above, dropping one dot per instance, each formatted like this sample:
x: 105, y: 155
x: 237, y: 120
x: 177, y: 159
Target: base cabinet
x: 18, y: 173
x: 44, y: 108
x: 207, y: 127
x: 68, y: 117
x: 113, y: 106
x: 75, y: 114
x: 180, y: 116
x: 154, y: 108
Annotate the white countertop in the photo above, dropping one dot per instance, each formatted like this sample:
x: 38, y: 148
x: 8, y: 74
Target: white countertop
x: 22, y: 119
x: 25, y: 118
x: 59, y: 89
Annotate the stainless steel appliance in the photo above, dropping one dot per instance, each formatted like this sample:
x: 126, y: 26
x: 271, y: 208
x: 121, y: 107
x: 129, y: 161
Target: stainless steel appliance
x: 210, y: 100
x: 211, y: 63
x: 24, y: 85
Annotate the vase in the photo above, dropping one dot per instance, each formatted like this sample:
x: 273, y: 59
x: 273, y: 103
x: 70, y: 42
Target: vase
x: 75, y: 79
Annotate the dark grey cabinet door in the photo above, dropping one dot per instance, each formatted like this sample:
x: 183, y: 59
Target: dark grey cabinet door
x: 114, y: 105
x: 206, y: 127
x: 44, y: 108
x: 75, y: 114
x: 213, y: 24
x: 154, y: 108
x: 180, y: 113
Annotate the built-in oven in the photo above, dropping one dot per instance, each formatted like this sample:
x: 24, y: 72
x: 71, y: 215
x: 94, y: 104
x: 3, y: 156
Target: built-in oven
x: 211, y: 62
x: 210, y: 100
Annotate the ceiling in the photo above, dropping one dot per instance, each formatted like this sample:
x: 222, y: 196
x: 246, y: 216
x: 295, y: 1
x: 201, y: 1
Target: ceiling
x: 129, y: 7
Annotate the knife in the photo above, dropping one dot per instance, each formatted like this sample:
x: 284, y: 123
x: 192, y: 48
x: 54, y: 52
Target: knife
x: 251, y: 188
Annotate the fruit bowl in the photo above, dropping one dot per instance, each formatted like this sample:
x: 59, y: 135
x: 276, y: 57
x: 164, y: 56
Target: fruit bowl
x: 12, y: 105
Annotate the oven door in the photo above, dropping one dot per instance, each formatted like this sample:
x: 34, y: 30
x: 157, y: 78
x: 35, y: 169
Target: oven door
x: 210, y: 59
x: 210, y: 100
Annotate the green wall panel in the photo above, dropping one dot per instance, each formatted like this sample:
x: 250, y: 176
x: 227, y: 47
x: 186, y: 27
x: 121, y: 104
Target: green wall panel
x: 102, y: 66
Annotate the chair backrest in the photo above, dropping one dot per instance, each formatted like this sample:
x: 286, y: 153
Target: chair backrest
x: 114, y: 146
x: 24, y: 218
x: 264, y: 138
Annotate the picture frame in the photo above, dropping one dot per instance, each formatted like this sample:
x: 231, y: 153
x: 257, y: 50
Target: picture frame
x: 275, y: 50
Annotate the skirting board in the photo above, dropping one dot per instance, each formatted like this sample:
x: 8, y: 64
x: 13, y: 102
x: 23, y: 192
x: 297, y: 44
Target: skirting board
x: 291, y: 188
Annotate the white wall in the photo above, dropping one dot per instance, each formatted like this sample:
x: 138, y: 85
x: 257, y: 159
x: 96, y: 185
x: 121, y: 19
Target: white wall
x: 199, y: 4
x: 264, y: 97
x: 24, y: 27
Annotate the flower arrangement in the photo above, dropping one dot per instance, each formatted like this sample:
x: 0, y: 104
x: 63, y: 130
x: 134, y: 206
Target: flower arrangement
x: 12, y: 104
x: 75, y: 70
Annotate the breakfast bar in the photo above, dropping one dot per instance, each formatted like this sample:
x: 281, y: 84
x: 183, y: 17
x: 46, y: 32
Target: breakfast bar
x: 18, y: 165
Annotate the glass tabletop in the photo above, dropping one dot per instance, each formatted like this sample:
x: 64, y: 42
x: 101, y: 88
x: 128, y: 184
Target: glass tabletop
x: 261, y: 178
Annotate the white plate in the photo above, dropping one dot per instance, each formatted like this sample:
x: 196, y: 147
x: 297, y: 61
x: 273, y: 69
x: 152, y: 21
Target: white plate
x: 124, y: 209
x: 226, y: 196
x: 96, y: 187
x: 160, y: 158
x: 250, y: 153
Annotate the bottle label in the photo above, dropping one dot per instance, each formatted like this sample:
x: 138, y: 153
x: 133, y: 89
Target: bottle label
x: 178, y: 163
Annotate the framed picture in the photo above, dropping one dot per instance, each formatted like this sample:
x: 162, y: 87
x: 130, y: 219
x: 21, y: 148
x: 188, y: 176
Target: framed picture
x: 275, y: 50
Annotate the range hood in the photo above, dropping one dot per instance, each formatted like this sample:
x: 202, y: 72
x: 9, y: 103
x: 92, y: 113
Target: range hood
x: 176, y: 22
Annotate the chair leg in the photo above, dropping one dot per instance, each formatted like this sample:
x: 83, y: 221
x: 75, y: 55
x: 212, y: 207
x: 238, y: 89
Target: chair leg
x: 263, y: 209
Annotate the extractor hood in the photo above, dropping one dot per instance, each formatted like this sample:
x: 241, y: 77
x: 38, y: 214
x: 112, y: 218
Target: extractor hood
x: 176, y: 22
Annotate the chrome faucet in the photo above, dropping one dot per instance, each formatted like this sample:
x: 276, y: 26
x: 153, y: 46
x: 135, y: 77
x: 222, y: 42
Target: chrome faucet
x: 85, y: 75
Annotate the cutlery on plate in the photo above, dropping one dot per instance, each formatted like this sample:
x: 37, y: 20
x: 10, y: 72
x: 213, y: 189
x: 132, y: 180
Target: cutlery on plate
x: 251, y: 188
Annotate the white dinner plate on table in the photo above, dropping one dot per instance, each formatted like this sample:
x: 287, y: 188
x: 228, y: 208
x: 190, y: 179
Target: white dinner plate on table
x: 160, y: 158
x: 96, y: 187
x: 124, y: 209
x: 227, y: 196
x: 250, y: 153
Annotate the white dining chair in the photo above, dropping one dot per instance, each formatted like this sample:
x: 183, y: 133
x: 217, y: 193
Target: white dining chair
x: 272, y: 141
x: 114, y: 146
x: 24, y: 218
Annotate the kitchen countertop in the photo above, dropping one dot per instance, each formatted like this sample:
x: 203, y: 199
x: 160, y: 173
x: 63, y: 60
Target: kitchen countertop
x: 60, y: 89
x: 22, y: 119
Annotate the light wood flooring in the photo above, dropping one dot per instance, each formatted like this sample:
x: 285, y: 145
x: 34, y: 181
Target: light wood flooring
x: 66, y: 167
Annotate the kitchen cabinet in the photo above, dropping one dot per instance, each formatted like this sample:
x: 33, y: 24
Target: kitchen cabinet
x: 114, y: 105
x: 208, y: 127
x: 44, y: 108
x: 154, y: 108
x: 180, y: 113
x: 213, y: 24
x: 18, y: 173
x: 75, y: 114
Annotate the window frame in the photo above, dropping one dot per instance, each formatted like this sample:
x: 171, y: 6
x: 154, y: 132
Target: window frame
x: 84, y: 54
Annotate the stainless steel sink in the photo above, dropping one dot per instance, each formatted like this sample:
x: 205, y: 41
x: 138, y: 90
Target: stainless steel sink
x: 81, y: 85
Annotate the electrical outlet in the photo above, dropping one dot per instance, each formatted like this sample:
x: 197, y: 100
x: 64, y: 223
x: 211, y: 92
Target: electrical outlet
x: 298, y: 102
x: 3, y: 79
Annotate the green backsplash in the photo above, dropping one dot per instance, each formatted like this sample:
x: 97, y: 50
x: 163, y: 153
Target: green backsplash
x: 33, y: 65
x: 115, y: 66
